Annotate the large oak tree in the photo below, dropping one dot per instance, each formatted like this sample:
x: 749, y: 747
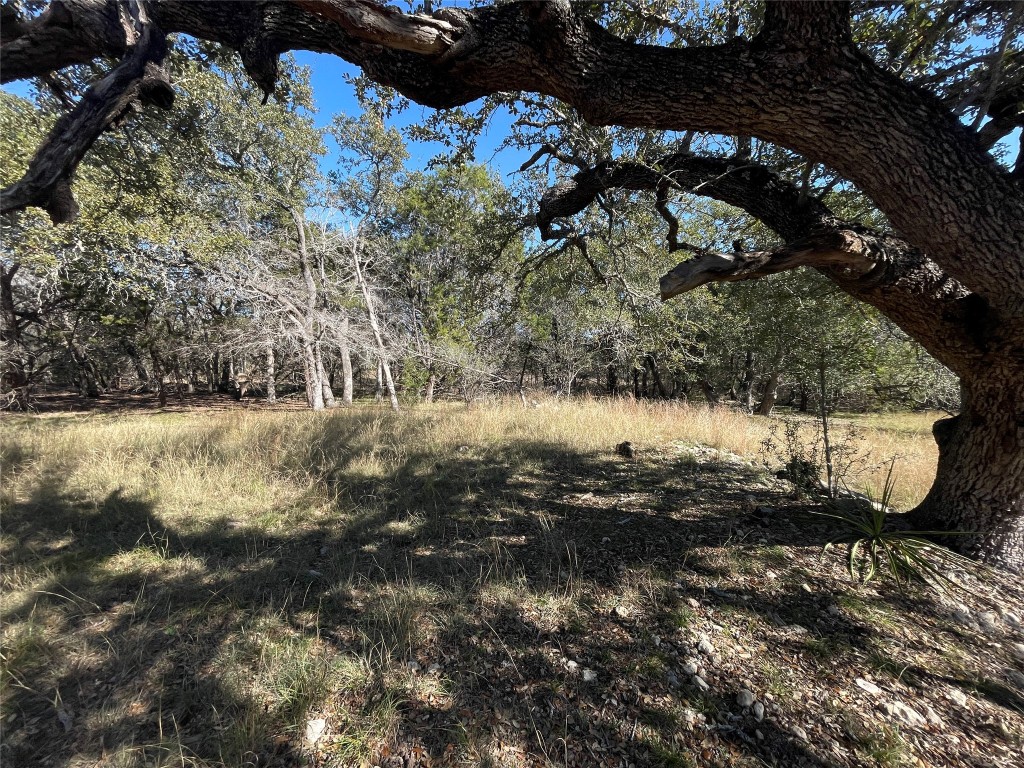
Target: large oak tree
x: 952, y: 277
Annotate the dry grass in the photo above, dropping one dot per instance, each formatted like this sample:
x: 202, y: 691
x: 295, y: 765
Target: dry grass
x: 189, y: 589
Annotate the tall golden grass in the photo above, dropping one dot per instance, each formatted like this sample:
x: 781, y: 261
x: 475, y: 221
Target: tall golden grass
x: 185, y: 462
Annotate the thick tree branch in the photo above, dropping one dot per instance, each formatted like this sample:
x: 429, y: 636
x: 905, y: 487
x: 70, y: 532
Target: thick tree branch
x: 140, y: 77
x: 881, y: 270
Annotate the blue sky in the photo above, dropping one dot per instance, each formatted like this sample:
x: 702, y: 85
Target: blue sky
x: 334, y: 95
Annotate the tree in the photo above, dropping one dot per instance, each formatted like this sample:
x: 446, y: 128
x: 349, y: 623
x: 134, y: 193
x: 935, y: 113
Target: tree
x: 868, y: 91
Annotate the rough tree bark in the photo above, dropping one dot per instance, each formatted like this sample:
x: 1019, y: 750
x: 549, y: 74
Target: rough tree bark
x: 955, y: 282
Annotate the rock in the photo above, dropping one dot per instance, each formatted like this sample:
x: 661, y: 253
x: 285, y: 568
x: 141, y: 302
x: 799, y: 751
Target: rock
x: 589, y: 676
x: 572, y: 665
x: 905, y: 713
x: 626, y: 449
x: 1012, y: 619
x: 315, y: 730
x: 413, y: 666
x: 1017, y: 649
x: 745, y: 698
x: 700, y: 682
x: 622, y: 612
x: 672, y: 678
x: 957, y: 696
x: 690, y: 667
x: 835, y: 610
x: 799, y: 732
x: 758, y: 711
x: 932, y: 717
x: 989, y: 621
x: 692, y: 603
x: 434, y: 669
x: 314, y: 573
x: 868, y: 686
x: 692, y: 718
x: 705, y: 646
x: 605, y: 540
x: 656, y: 640
x: 963, y: 616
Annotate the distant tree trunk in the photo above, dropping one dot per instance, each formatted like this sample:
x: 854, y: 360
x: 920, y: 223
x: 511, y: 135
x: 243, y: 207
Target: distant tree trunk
x: 656, y: 376
x: 613, y: 380
x: 802, y: 407
x: 746, y: 388
x: 314, y: 390
x: 709, y: 392
x: 227, y: 374
x: 378, y: 392
x: 346, y: 364
x: 158, y: 374
x: 87, y: 384
x: 636, y: 383
x: 771, y: 385
x: 771, y: 393
x: 522, y: 370
x: 271, y: 374
x: 826, y: 441
x: 428, y: 395
x: 325, y: 384
x: 375, y: 327
x: 15, y: 372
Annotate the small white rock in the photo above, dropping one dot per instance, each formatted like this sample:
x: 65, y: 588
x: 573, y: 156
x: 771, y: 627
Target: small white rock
x: 315, y: 730
x: 413, y: 666
x: 434, y: 669
x: 745, y: 698
x: 799, y: 732
x: 1017, y: 649
x: 700, y: 682
x: 868, y: 686
x: 589, y: 676
x: 758, y: 711
x: 690, y: 667
x: 705, y: 647
x: 957, y: 696
x: 572, y: 665
x: 692, y: 603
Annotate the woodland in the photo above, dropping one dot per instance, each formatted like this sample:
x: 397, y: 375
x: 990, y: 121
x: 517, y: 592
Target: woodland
x: 345, y: 400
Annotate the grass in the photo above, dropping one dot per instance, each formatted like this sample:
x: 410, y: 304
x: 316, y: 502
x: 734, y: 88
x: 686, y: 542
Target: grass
x: 190, y: 589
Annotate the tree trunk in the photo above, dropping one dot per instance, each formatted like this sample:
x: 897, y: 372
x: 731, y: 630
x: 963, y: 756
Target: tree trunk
x: 709, y: 392
x: 428, y: 394
x: 656, y: 377
x: 271, y: 374
x: 325, y: 383
x: 746, y: 388
x: 314, y: 390
x: 979, y: 485
x: 613, y: 380
x: 346, y: 364
x: 771, y: 393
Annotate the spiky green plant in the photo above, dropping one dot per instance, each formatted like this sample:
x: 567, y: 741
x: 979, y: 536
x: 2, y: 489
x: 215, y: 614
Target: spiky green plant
x: 874, y: 548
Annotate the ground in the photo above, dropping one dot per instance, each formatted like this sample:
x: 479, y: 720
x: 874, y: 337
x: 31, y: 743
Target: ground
x: 485, y: 585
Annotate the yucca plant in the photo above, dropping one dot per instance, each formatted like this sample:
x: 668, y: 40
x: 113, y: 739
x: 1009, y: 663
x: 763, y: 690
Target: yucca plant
x: 906, y: 556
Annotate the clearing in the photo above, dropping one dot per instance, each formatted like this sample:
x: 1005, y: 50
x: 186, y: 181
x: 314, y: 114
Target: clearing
x: 489, y: 585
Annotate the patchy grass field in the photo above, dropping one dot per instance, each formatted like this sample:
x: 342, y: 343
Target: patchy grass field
x: 470, y: 586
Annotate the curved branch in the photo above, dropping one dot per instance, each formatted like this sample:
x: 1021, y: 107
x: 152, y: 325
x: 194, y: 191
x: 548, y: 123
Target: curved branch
x: 140, y: 77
